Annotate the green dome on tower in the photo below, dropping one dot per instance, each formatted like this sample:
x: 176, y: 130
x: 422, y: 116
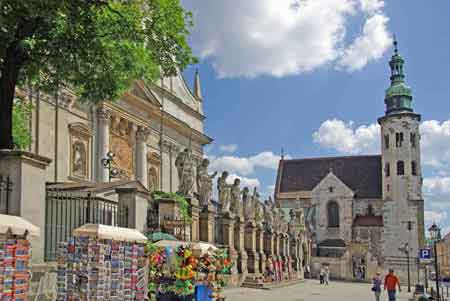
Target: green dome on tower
x: 398, y: 96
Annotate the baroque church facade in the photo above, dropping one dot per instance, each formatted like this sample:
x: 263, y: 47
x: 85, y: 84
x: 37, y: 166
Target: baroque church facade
x: 364, y: 213
x: 145, y: 130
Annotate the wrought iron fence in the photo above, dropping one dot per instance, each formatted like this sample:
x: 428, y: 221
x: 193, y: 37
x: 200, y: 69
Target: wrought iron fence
x: 5, y: 194
x: 68, y: 210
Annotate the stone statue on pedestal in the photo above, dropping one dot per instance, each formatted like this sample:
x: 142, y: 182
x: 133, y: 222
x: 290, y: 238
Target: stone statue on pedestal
x: 257, y: 207
x: 268, y: 216
x: 247, y: 201
x: 292, y: 222
x: 276, y: 219
x: 283, y: 222
x: 236, y: 206
x: 224, y: 190
x: 185, y: 167
x: 204, y: 183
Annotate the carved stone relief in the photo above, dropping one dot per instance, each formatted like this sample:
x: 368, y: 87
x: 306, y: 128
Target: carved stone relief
x: 121, y: 144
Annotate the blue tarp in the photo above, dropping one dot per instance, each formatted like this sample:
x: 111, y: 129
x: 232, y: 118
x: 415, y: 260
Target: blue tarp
x: 202, y: 293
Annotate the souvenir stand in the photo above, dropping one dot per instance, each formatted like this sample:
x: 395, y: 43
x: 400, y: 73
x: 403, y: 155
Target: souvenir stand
x: 103, y: 263
x: 182, y: 271
x: 15, y: 255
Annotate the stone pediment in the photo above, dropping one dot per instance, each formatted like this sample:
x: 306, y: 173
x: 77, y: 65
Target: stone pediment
x: 332, y: 185
x: 142, y: 91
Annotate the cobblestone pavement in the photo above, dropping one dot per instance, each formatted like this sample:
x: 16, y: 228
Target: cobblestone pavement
x: 310, y: 290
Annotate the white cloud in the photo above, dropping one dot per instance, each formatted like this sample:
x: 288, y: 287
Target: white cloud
x: 284, y: 37
x: 371, y: 45
x: 345, y: 138
x: 371, y: 6
x: 434, y: 216
x: 437, y: 191
x: 435, y: 143
x: 228, y: 148
x: 245, y: 182
x: 244, y: 165
x: 348, y: 139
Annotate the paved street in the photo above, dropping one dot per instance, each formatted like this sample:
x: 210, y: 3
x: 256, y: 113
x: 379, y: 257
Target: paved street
x: 309, y: 291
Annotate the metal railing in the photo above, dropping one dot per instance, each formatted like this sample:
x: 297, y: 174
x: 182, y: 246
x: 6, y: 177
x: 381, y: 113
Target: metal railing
x: 68, y: 210
x: 5, y: 194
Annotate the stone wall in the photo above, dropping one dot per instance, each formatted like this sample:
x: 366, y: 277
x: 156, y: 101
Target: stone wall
x: 331, y: 189
x: 340, y: 267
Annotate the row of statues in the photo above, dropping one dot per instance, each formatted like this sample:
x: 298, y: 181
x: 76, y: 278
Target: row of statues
x: 233, y: 200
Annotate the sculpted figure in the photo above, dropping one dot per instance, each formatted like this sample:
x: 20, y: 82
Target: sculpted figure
x: 268, y: 216
x: 292, y: 222
x: 185, y: 167
x: 236, y: 207
x: 204, y: 183
x: 257, y: 207
x: 224, y: 192
x: 283, y: 222
x: 247, y: 201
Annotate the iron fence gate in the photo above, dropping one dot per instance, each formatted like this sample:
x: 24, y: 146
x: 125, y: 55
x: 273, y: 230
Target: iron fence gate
x: 5, y: 194
x: 68, y: 210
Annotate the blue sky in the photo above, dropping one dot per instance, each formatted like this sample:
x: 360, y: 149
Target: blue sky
x: 309, y: 76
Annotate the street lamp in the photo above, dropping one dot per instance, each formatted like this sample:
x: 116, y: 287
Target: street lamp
x: 107, y: 163
x: 405, y: 249
x: 435, y: 235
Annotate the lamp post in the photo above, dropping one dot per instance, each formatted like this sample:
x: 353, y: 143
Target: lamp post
x: 435, y: 235
x: 405, y: 249
x: 107, y: 163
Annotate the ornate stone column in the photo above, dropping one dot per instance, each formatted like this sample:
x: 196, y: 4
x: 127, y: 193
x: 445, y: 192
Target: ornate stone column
x: 227, y: 239
x: 195, y: 226
x: 260, y: 249
x: 250, y: 248
x: 141, y: 155
x: 239, y: 244
x: 268, y: 243
x: 207, y: 224
x: 103, y: 119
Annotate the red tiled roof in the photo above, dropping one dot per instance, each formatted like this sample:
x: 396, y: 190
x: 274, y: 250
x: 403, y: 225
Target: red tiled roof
x: 362, y: 174
x: 368, y: 221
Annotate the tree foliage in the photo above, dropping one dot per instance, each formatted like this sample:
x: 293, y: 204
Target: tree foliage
x: 21, y: 119
x: 95, y: 47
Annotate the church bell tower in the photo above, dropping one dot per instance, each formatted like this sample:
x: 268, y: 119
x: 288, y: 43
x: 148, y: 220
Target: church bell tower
x: 401, y: 174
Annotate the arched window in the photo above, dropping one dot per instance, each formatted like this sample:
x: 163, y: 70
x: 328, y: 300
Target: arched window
x: 400, y: 168
x: 413, y: 168
x: 333, y: 214
x: 387, y: 169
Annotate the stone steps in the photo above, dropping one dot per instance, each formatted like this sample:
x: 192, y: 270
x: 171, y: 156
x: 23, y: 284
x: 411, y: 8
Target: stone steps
x: 252, y: 282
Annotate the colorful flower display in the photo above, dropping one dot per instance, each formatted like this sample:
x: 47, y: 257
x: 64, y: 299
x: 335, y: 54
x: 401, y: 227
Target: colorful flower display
x: 174, y: 273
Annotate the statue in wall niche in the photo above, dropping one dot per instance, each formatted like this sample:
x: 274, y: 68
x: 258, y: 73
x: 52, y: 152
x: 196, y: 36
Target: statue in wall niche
x: 152, y: 179
x: 224, y: 190
x: 247, y: 201
x: 79, y: 159
x: 204, y: 183
x: 185, y: 168
x: 236, y: 207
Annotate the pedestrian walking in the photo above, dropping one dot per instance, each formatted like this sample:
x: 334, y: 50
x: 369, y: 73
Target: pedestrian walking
x: 321, y: 275
x: 390, y: 284
x: 327, y: 275
x: 376, y: 288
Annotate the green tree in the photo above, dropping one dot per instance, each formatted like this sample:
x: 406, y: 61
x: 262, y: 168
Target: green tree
x: 95, y: 47
x: 20, y: 126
